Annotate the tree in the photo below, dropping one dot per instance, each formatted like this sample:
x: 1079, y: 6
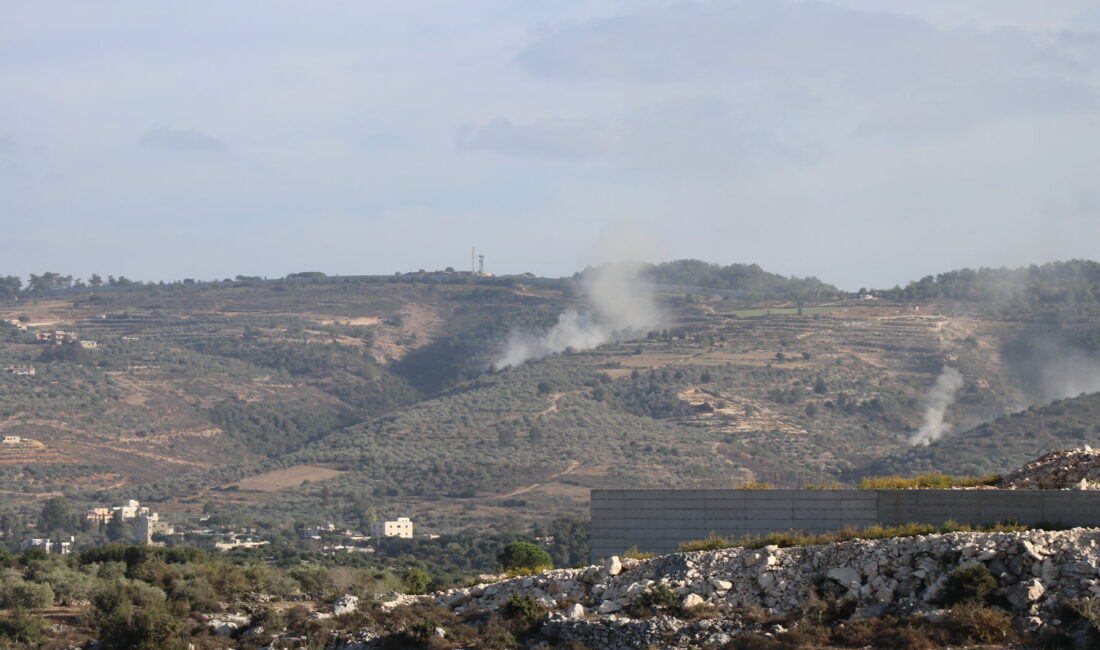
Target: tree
x: 95, y: 281
x: 524, y: 555
x: 57, y: 516
x: 49, y: 281
x: 819, y: 386
x: 10, y: 286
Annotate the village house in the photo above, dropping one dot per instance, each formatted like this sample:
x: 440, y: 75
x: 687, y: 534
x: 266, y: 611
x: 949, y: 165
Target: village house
x: 132, y: 509
x: 21, y: 370
x: 64, y: 547
x: 12, y: 440
x: 150, y: 524
x: 402, y: 528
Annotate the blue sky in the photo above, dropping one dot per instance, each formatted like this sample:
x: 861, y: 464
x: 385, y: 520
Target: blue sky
x: 868, y: 143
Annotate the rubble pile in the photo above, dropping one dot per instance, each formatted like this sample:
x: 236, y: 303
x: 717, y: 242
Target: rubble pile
x: 1037, y: 572
x: 1068, y: 469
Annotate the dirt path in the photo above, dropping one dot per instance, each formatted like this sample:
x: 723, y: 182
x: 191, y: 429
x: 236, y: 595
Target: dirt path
x: 573, y: 466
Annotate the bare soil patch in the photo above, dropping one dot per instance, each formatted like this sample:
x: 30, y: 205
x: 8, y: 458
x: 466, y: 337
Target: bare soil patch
x: 290, y: 477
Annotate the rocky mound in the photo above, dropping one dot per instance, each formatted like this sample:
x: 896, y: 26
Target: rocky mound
x: 1068, y: 469
x: 1036, y: 572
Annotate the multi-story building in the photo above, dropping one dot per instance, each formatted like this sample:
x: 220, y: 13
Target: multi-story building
x: 403, y: 528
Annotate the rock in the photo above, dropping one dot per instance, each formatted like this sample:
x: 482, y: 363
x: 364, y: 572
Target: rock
x: 692, y: 600
x: 222, y: 627
x: 766, y: 580
x: 608, y: 606
x: 1024, y: 594
x: 252, y: 632
x: 575, y: 611
x: 345, y: 605
x: 720, y: 585
x: 846, y: 576
x: 613, y: 565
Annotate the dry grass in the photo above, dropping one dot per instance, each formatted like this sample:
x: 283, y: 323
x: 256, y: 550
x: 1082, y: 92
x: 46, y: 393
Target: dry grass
x: 930, y: 481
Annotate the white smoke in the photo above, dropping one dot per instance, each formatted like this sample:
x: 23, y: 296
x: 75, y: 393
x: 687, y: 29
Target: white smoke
x: 1069, y: 376
x: 620, y: 307
x: 939, y: 398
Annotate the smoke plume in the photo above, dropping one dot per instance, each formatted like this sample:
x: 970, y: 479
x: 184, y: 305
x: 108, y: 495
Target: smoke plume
x: 939, y: 398
x: 619, y: 307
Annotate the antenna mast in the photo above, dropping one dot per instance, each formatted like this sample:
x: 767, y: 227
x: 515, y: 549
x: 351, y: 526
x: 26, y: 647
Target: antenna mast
x: 473, y: 260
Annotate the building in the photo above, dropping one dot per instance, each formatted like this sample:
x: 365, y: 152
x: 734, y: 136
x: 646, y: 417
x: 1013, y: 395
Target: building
x: 150, y: 524
x: 21, y: 370
x: 132, y: 509
x: 56, y: 337
x: 403, y: 528
x: 63, y: 547
x: 88, y: 345
x: 12, y: 440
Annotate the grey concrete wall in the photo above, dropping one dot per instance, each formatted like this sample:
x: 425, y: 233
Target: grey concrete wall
x: 657, y: 521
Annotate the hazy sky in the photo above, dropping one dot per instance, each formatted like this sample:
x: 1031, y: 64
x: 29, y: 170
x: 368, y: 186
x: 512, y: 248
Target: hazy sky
x: 865, y: 142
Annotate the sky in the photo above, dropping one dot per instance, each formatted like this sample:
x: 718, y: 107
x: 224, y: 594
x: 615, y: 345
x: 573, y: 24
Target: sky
x: 868, y: 143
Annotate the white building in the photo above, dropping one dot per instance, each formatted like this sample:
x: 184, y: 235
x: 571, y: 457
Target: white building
x: 403, y: 528
x: 63, y: 547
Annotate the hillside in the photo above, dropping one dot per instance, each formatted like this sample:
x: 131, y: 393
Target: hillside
x: 1004, y: 443
x: 337, y: 399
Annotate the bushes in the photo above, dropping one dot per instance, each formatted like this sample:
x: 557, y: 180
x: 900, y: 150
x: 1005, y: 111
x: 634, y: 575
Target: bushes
x: 416, y: 580
x: 972, y: 584
x: 977, y: 623
x: 659, y: 595
x: 21, y: 627
x: 523, y: 608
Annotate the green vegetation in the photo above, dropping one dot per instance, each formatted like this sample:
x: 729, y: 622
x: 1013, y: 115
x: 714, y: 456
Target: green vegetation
x: 974, y: 583
x: 1075, y: 281
x: 658, y: 596
x: 749, y: 279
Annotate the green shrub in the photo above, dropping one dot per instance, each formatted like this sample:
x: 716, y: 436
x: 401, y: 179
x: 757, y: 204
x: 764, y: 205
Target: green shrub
x: 416, y: 581
x: 21, y: 627
x: 972, y: 584
x: 524, y: 555
x: 523, y: 608
x: 659, y: 595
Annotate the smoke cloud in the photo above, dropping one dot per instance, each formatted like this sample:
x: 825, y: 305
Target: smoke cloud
x: 620, y: 307
x: 939, y: 398
x: 1065, y: 371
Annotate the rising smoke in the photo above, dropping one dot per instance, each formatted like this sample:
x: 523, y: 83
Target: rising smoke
x: 620, y: 307
x: 939, y: 398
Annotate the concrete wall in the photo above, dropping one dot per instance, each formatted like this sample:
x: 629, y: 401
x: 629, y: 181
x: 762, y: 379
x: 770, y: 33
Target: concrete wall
x: 657, y: 521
